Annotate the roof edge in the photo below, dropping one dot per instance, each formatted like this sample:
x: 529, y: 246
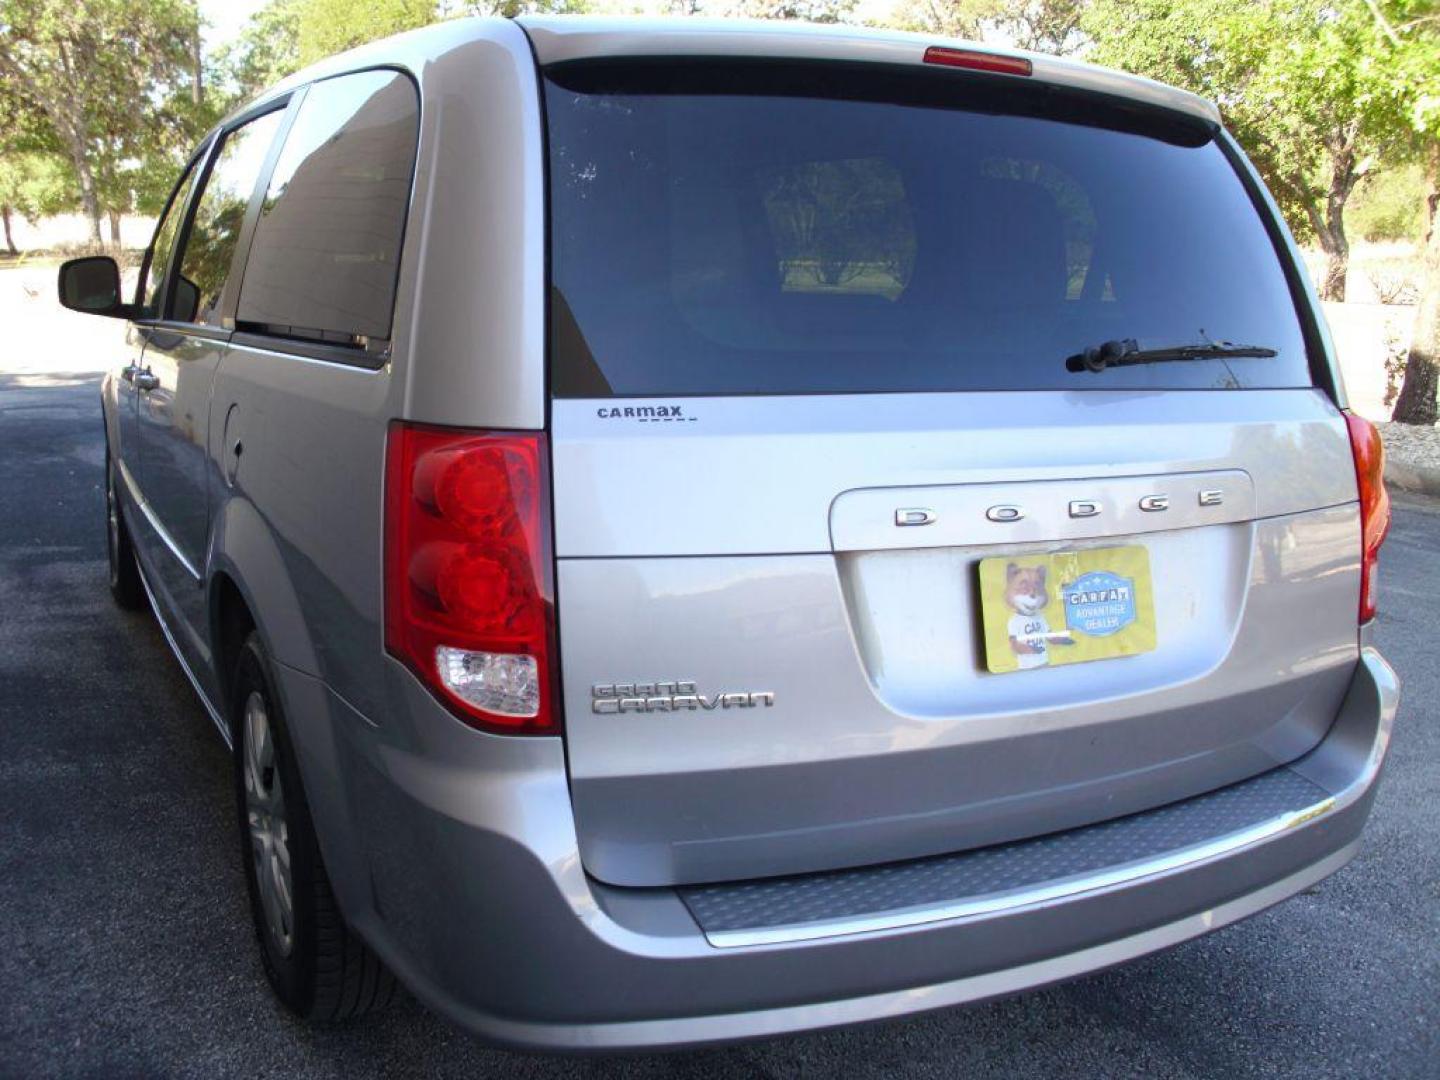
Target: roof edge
x: 560, y: 38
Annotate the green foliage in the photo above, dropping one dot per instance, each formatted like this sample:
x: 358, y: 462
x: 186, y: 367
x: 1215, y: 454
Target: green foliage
x: 1412, y: 28
x: 266, y: 50
x: 1306, y: 86
x: 1301, y: 83
x: 285, y: 35
x: 105, y: 80
x: 816, y: 11
x: 945, y: 18
x: 1390, y: 205
x: 325, y: 27
x: 1051, y: 26
x: 35, y: 184
x: 509, y: 9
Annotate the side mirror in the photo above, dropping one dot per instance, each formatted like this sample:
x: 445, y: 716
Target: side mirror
x: 91, y: 285
x: 187, y: 299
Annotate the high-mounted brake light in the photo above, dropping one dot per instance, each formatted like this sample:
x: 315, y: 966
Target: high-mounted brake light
x: 978, y: 61
x: 469, y: 588
x: 1374, y: 505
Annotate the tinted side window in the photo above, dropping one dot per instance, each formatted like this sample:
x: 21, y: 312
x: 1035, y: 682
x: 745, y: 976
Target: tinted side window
x: 219, y: 212
x: 152, y: 283
x: 323, y: 262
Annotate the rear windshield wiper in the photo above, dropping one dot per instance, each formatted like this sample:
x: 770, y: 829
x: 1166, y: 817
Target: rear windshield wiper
x: 1125, y: 352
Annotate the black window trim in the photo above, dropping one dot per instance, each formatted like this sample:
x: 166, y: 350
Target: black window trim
x: 370, y: 354
x: 1322, y: 364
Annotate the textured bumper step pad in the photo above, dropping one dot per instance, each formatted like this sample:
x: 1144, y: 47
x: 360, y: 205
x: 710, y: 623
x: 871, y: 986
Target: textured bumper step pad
x: 948, y: 879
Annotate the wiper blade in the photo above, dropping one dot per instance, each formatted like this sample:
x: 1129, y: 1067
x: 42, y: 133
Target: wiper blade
x: 1125, y: 351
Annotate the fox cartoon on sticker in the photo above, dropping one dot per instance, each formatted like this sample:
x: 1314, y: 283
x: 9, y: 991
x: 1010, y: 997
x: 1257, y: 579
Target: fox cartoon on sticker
x: 1029, y: 630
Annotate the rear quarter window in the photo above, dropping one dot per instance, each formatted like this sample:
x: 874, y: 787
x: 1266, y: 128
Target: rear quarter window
x: 818, y: 234
x: 326, y: 251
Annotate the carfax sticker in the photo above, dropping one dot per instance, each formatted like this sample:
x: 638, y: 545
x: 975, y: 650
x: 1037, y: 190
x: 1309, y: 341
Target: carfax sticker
x: 1068, y: 607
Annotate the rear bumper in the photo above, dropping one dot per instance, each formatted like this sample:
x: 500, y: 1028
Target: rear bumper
x: 461, y: 868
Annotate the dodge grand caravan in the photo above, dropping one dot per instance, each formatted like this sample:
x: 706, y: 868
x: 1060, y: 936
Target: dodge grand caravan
x: 700, y: 530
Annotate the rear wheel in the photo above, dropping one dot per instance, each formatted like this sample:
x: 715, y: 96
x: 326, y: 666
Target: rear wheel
x: 125, y: 584
x: 316, y: 965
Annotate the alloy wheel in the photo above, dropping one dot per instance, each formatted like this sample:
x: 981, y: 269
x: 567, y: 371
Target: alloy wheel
x: 269, y: 831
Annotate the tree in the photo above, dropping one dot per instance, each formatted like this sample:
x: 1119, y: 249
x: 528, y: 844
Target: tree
x: 1302, y: 84
x: 945, y: 18
x: 91, y: 69
x: 509, y: 9
x: 815, y: 11
x: 1412, y: 31
x: 1051, y: 26
x: 1417, y: 401
x: 33, y: 179
x: 264, y: 52
x: 33, y: 185
x: 326, y: 27
x: 288, y: 34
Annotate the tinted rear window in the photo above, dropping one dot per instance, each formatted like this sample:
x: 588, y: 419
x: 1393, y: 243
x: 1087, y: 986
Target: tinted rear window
x: 326, y: 252
x: 830, y: 231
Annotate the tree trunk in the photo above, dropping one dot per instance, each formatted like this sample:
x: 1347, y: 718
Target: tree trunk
x: 1416, y: 403
x: 197, y: 84
x: 1331, y: 228
x: 1337, y: 266
x: 1336, y: 247
x: 9, y: 240
x: 67, y: 116
x: 1432, y: 184
x: 85, y: 176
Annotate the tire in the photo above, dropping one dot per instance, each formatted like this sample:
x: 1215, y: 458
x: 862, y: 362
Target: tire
x: 125, y: 586
x: 316, y: 964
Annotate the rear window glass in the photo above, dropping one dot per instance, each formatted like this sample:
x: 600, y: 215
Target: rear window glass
x: 839, y: 232
x: 326, y: 251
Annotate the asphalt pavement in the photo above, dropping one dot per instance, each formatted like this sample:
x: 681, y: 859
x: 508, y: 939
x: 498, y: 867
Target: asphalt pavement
x: 126, y: 947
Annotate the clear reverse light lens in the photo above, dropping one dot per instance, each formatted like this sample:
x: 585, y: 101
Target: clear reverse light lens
x: 496, y: 682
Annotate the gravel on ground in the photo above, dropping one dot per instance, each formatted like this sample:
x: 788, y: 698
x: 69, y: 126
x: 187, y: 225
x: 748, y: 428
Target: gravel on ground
x: 1412, y: 444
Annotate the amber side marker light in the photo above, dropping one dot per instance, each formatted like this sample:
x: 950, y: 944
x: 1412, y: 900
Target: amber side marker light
x: 977, y: 61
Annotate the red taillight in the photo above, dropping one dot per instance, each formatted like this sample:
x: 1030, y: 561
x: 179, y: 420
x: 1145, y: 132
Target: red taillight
x: 1374, y: 504
x: 469, y: 587
x: 978, y: 61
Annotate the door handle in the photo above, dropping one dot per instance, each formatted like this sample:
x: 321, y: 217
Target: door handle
x: 128, y: 372
x: 146, y: 380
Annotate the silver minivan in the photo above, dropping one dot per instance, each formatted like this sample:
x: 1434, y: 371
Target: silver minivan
x: 700, y: 530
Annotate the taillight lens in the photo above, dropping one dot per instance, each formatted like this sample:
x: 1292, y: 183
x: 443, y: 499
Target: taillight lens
x: 469, y: 584
x: 975, y: 60
x: 1374, y: 505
